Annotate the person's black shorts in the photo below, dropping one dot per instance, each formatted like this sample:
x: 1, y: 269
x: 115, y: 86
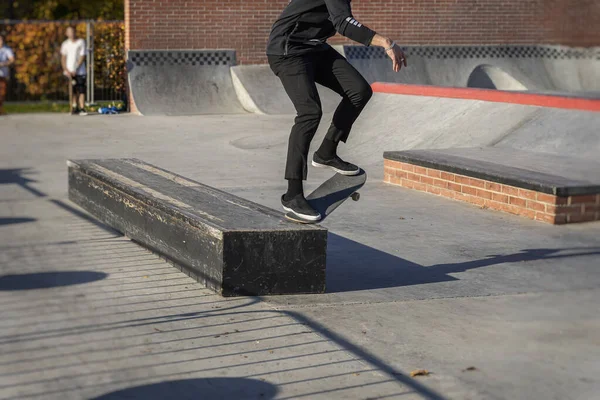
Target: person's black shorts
x: 80, y: 84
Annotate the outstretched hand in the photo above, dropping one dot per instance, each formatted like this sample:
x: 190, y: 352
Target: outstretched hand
x: 398, y: 58
x: 392, y: 50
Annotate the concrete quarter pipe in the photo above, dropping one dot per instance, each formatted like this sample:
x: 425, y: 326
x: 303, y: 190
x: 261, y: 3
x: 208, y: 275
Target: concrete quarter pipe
x: 533, y: 68
x: 187, y: 82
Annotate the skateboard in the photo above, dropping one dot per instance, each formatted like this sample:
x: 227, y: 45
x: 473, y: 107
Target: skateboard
x: 331, y: 194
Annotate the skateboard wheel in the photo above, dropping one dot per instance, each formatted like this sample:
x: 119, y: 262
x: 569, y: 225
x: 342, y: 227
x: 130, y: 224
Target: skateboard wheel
x: 355, y: 196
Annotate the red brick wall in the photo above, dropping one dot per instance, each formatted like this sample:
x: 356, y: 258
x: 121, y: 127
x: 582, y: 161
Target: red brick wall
x: 244, y: 25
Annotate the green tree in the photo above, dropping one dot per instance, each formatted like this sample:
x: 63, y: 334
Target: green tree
x: 62, y: 9
x: 37, y: 70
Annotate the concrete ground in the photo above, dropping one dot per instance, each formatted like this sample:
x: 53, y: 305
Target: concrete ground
x: 493, y: 305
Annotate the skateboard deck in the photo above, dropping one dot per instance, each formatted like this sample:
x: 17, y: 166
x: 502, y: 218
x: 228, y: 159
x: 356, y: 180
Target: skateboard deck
x: 331, y: 194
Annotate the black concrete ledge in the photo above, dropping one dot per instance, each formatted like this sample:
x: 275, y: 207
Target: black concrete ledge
x: 231, y: 245
x: 542, y: 172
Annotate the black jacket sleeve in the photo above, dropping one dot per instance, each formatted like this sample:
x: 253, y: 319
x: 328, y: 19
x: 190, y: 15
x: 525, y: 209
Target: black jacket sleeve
x: 340, y: 14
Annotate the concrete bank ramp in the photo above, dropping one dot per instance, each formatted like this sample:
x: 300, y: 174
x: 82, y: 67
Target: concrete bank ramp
x: 393, y: 122
x: 534, y: 68
x: 260, y: 91
x: 183, y: 82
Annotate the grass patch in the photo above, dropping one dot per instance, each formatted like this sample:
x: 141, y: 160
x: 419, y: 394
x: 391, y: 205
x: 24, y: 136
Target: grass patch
x: 52, y: 107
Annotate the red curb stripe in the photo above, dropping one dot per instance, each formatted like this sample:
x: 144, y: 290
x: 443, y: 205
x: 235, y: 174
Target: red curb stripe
x: 497, y: 96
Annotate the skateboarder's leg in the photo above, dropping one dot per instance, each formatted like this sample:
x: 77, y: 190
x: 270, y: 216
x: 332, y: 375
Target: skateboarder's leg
x: 72, y: 105
x: 336, y: 73
x: 79, y: 89
x: 297, y: 76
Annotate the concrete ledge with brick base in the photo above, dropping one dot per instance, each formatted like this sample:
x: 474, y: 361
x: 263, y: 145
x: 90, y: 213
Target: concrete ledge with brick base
x: 540, y: 186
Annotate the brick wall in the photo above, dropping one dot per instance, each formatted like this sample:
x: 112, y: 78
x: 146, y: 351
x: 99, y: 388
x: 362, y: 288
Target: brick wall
x: 527, y: 203
x: 244, y: 25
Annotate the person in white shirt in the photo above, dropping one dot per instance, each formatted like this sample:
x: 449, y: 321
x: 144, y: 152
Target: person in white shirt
x: 73, y: 63
x: 7, y: 58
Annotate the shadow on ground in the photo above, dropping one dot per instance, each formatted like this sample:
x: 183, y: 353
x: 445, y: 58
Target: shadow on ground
x: 18, y: 176
x: 354, y: 266
x: 46, y: 280
x: 207, y: 388
x: 15, y: 220
x: 236, y: 388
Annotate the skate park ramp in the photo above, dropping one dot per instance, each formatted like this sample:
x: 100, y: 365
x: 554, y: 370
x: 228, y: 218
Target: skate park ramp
x: 490, y: 77
x: 261, y: 92
x: 394, y: 122
x: 532, y: 68
x: 183, y: 82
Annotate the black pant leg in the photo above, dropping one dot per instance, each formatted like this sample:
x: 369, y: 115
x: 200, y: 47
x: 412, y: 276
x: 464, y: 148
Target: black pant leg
x: 335, y: 72
x: 297, y: 74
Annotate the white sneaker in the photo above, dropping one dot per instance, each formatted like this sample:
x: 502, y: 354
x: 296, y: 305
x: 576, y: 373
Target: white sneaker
x: 83, y: 113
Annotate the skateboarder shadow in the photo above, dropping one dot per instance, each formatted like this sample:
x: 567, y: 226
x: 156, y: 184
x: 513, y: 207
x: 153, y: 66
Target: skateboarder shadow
x: 354, y: 266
